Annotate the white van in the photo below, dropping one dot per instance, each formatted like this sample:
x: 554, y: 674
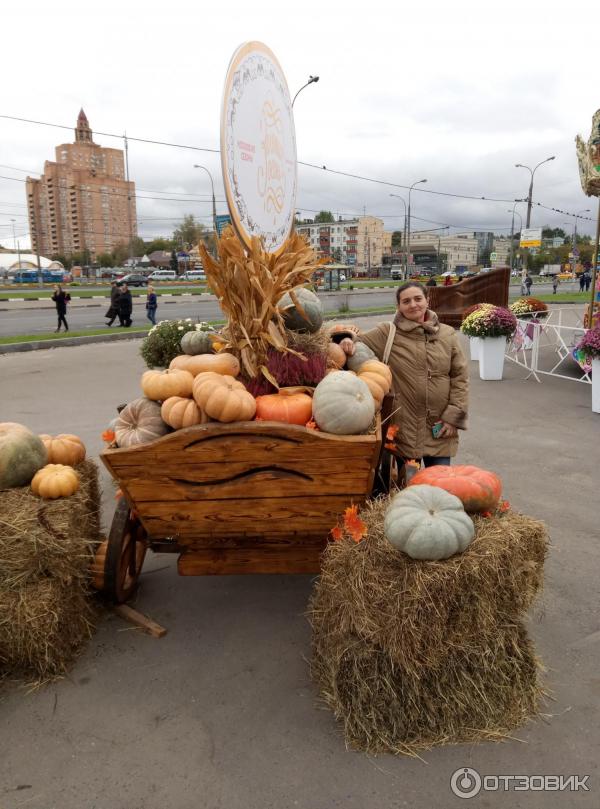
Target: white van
x: 193, y: 275
x: 163, y: 275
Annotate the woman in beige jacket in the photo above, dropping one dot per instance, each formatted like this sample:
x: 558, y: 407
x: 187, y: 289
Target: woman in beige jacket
x: 430, y: 378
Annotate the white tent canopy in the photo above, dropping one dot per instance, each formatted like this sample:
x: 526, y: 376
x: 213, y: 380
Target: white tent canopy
x: 28, y: 261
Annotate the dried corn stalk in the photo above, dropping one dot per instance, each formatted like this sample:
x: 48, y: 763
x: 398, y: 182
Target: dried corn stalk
x: 248, y: 285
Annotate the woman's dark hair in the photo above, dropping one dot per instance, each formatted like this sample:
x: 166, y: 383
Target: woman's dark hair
x: 407, y: 285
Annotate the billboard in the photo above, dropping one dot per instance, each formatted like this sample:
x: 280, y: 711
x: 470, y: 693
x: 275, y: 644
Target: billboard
x: 221, y: 222
x: 531, y: 237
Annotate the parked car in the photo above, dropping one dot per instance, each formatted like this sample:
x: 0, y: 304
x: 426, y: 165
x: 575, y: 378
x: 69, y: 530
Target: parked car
x: 132, y: 280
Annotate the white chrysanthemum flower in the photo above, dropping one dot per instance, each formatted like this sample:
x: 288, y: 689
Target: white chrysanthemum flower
x: 179, y: 328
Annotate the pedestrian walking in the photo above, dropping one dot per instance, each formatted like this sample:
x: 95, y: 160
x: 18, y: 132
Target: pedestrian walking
x: 448, y: 281
x: 151, y: 305
x: 528, y: 281
x: 61, y: 299
x: 555, y: 283
x: 582, y: 282
x: 588, y: 280
x: 432, y: 282
x: 125, y: 307
x: 113, y: 309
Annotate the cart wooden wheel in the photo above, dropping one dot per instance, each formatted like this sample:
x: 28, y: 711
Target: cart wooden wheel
x: 127, y: 545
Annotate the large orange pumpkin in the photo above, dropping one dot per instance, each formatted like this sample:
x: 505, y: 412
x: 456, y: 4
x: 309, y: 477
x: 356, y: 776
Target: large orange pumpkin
x: 478, y: 489
x: 222, y: 363
x: 64, y: 449
x: 223, y: 398
x: 293, y: 408
x: 161, y: 385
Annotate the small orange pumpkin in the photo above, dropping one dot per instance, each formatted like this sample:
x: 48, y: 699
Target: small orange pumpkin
x: 179, y: 412
x: 336, y: 356
x: 223, y: 398
x: 64, y: 449
x: 291, y: 409
x: 478, y: 489
x: 55, y: 480
x: 222, y: 363
x: 161, y: 385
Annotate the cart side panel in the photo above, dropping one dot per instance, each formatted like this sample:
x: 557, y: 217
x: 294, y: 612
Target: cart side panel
x: 247, y: 497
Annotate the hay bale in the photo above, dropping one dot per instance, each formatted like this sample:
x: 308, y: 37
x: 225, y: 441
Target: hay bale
x: 43, y: 625
x: 49, y: 538
x: 409, y: 654
x: 46, y: 548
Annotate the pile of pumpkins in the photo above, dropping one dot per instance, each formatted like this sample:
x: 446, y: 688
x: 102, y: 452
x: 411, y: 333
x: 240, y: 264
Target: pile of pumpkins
x: 44, y: 462
x: 202, y: 386
x: 430, y: 519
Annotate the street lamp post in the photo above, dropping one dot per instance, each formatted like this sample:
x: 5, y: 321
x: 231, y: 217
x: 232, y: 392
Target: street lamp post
x: 214, y: 206
x: 512, y: 231
x: 530, y: 195
x: 311, y: 80
x: 405, y: 267
x: 418, y: 182
x: 17, y: 245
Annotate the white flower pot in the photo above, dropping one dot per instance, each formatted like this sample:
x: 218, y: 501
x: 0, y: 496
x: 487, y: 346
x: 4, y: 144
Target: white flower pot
x: 474, y: 345
x: 491, y: 357
x: 596, y: 386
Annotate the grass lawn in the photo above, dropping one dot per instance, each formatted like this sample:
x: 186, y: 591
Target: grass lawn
x: 82, y: 292
x: 560, y: 297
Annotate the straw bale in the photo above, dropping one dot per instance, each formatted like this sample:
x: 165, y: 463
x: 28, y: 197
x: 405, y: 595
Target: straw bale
x: 43, y: 625
x: 410, y: 653
x: 53, y: 538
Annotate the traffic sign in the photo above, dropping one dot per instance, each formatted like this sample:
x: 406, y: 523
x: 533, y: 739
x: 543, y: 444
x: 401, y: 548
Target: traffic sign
x: 493, y: 256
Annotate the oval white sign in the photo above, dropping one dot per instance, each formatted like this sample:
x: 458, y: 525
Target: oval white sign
x: 258, y: 147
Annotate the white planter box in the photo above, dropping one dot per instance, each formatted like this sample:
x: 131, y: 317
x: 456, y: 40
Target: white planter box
x: 474, y: 346
x: 491, y: 357
x: 595, y: 386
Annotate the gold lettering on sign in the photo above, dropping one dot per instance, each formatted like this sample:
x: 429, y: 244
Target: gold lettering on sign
x: 270, y: 177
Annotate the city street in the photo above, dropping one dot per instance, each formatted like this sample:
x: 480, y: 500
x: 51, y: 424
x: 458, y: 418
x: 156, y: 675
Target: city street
x: 36, y: 317
x: 221, y: 712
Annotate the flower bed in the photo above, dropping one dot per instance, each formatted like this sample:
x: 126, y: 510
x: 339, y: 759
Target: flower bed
x: 489, y: 321
x: 529, y: 307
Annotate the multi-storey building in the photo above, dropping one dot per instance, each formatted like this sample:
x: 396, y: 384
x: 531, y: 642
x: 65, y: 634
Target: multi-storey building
x: 360, y: 243
x: 501, y: 247
x: 82, y: 202
x: 460, y: 248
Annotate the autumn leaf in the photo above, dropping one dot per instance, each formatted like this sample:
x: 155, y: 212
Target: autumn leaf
x: 353, y: 523
x: 486, y: 514
x: 391, y: 447
x: 392, y: 432
x: 312, y: 425
x: 504, y: 506
x: 336, y: 533
x: 108, y: 436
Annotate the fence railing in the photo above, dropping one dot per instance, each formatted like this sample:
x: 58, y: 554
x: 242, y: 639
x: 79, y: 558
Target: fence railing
x: 544, y: 346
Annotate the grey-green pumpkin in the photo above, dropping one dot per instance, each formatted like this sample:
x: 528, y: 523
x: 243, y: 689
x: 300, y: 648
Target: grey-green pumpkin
x: 22, y: 454
x: 312, y: 307
x: 197, y: 342
x: 362, y: 353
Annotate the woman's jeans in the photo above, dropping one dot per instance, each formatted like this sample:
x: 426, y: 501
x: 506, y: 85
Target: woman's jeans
x: 441, y: 460
x: 151, y: 315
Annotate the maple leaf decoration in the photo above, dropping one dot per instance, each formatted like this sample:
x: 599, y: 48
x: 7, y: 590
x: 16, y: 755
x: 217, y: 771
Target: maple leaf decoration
x: 353, y: 523
x: 392, y: 432
x: 336, y: 533
x: 504, y: 506
x: 108, y: 436
x: 312, y: 425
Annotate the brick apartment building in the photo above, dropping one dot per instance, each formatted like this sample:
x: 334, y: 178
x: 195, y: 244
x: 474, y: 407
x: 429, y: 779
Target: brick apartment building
x: 359, y: 243
x: 82, y: 201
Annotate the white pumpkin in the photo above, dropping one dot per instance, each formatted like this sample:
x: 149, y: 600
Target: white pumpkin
x: 343, y: 404
x: 427, y: 522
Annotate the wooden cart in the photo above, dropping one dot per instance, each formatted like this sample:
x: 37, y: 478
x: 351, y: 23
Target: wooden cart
x: 248, y: 497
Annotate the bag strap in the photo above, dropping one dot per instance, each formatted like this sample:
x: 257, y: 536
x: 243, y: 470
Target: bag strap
x: 390, y: 341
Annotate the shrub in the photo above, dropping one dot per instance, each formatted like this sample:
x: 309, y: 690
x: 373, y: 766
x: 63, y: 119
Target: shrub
x: 163, y: 342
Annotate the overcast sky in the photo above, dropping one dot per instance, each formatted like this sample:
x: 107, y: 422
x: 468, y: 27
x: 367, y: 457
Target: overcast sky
x: 455, y: 92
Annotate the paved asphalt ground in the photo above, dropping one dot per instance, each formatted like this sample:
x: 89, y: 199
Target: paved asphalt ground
x: 221, y: 712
